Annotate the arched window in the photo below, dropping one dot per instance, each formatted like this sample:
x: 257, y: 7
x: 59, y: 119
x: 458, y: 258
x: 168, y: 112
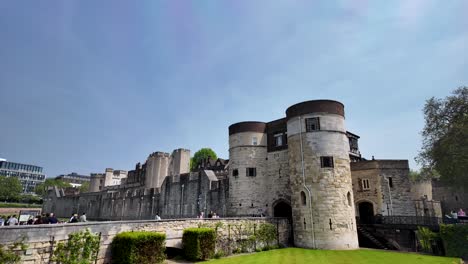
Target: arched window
x: 349, y: 199
x: 303, y: 198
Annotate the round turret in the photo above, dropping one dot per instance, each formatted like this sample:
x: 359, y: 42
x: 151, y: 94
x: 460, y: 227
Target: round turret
x: 247, y: 167
x: 320, y: 176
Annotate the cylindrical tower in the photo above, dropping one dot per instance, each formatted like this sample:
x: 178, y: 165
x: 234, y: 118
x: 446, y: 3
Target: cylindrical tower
x: 247, y: 168
x: 320, y: 176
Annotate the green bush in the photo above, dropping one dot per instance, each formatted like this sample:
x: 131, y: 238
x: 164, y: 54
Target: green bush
x: 138, y: 247
x: 81, y: 247
x: 455, y: 238
x: 199, y: 243
x: 426, y: 238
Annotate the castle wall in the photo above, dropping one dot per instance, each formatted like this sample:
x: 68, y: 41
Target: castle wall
x: 277, y: 180
x: 396, y: 199
x: 451, y: 198
x: 157, y: 168
x: 323, y: 215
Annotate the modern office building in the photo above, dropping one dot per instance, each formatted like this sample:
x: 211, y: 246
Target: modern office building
x: 29, y: 175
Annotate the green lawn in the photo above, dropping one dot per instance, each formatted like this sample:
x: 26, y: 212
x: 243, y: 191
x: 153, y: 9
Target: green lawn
x: 362, y: 256
x: 19, y: 205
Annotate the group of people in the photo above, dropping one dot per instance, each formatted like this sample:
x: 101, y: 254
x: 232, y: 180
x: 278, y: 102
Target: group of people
x: 455, y: 217
x: 45, y: 218
x: 210, y: 215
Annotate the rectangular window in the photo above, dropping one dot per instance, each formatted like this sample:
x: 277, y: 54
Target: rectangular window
x: 326, y: 162
x: 278, y: 140
x: 312, y: 124
x: 235, y: 172
x: 365, y: 184
x: 251, y: 172
x: 390, y: 182
x: 254, y: 141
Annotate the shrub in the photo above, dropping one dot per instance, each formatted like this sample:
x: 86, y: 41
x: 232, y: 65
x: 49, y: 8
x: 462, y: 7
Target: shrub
x: 11, y: 254
x: 426, y: 238
x: 138, y: 247
x: 455, y: 238
x: 266, y: 234
x: 81, y: 247
x: 199, y: 243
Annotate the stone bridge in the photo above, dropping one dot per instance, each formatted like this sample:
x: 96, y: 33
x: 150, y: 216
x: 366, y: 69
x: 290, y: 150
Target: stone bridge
x: 42, y: 239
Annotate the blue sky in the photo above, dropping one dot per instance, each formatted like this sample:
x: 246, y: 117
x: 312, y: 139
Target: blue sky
x: 86, y: 85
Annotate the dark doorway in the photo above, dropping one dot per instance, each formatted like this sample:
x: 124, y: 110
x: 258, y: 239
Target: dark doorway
x: 283, y: 209
x: 366, y: 213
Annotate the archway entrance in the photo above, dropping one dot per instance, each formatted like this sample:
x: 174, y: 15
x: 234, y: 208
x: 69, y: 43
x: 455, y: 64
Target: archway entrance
x: 283, y: 209
x: 366, y: 212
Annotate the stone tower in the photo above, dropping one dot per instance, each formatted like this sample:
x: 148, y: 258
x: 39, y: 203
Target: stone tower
x: 180, y: 162
x: 247, y: 168
x: 320, y: 177
x: 157, y: 168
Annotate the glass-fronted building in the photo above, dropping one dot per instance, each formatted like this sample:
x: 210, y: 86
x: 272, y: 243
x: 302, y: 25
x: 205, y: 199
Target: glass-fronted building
x: 29, y: 175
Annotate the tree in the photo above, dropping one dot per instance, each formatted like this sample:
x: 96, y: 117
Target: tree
x: 41, y: 189
x: 10, y: 188
x: 203, y: 153
x: 445, y: 138
x: 84, y: 187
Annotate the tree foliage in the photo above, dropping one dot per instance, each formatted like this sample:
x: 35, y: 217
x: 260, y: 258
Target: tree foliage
x: 10, y: 188
x: 445, y: 138
x: 84, y: 187
x: 203, y: 153
x: 41, y: 189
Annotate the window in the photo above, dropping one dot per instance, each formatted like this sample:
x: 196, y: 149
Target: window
x: 349, y: 199
x: 303, y: 198
x: 312, y: 124
x: 278, y: 140
x: 252, y: 172
x: 235, y: 172
x: 390, y: 182
x: 254, y: 141
x: 326, y: 162
x: 365, y: 184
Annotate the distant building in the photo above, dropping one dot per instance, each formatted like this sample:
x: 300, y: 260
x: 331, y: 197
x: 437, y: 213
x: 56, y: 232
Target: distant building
x: 29, y: 175
x: 74, y: 179
x: 110, y: 178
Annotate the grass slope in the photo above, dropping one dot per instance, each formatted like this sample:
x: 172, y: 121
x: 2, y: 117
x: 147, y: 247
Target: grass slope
x: 19, y: 205
x: 362, y: 256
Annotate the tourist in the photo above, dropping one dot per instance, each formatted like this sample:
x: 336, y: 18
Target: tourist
x: 210, y: 215
x: 461, y: 212
x: 74, y: 218
x: 2, y: 221
x: 201, y: 215
x: 7, y: 220
x: 38, y: 220
x: 53, y: 219
x: 215, y: 215
x: 157, y: 217
x: 83, y: 217
x: 454, y: 215
x: 45, y: 218
x: 30, y: 220
x: 13, y: 220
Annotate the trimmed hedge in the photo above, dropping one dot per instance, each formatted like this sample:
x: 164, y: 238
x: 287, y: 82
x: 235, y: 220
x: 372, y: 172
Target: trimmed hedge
x: 138, y: 247
x: 455, y: 239
x: 199, y: 243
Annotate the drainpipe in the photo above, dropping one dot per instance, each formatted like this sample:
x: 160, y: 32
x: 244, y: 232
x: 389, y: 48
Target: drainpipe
x: 304, y: 184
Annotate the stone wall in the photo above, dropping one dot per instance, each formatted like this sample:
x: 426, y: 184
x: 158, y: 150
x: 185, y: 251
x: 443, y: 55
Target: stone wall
x: 451, y: 198
x: 183, y: 195
x: 393, y: 198
x: 42, y: 239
